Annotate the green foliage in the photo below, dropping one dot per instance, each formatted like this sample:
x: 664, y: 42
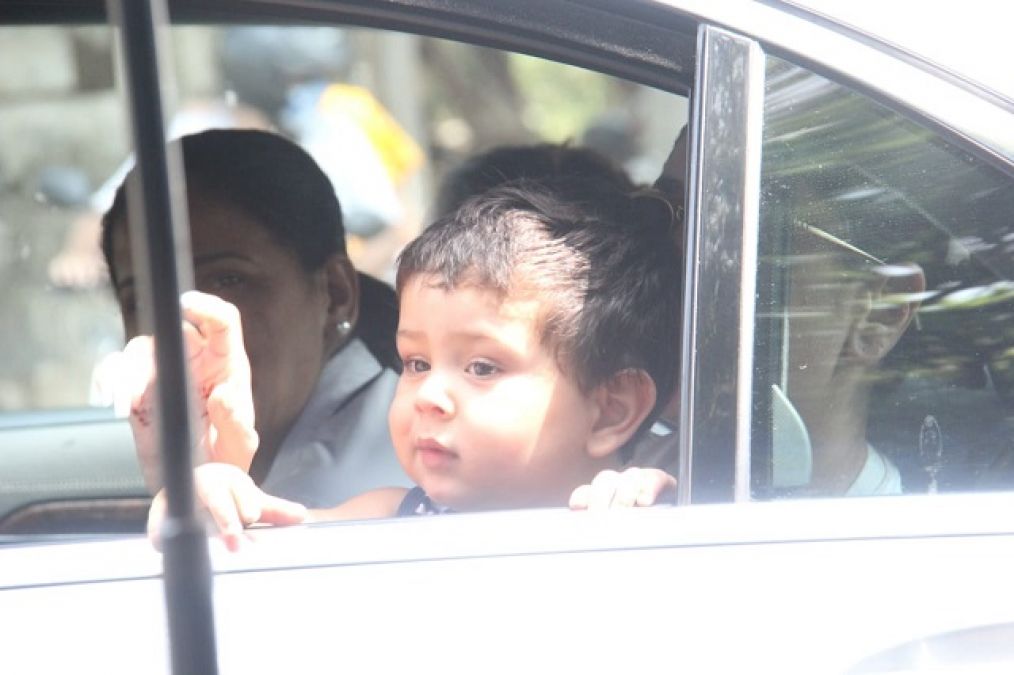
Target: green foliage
x: 560, y: 101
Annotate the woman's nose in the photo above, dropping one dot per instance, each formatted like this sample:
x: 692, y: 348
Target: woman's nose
x: 434, y: 396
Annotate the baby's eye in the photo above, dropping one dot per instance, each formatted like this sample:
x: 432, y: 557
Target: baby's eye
x: 481, y: 369
x: 414, y: 365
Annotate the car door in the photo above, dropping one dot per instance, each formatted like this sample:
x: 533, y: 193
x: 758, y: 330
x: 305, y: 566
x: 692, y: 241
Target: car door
x: 805, y: 584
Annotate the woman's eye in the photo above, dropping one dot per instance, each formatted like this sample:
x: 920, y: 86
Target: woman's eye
x: 481, y: 369
x: 228, y: 280
x: 415, y: 365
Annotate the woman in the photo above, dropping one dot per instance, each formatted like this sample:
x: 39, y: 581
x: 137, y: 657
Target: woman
x: 267, y: 237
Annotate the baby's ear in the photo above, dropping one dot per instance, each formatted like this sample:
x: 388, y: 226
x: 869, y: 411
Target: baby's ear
x: 623, y: 402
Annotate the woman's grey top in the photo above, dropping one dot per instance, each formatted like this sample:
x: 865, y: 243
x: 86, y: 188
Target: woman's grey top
x: 340, y: 445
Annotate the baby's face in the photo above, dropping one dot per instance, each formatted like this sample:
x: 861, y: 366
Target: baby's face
x: 483, y: 417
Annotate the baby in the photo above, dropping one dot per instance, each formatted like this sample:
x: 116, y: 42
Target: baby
x: 539, y: 341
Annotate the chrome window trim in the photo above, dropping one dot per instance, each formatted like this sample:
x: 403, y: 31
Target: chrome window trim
x: 938, y: 100
x: 532, y: 532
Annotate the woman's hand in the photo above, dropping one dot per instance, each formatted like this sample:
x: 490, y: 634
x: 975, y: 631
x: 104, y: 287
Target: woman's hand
x: 632, y: 487
x: 233, y: 501
x: 220, y: 374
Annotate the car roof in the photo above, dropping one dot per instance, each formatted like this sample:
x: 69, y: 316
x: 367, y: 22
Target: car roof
x: 962, y: 38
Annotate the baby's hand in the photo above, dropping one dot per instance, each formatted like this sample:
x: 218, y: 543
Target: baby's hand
x: 233, y: 500
x: 632, y: 487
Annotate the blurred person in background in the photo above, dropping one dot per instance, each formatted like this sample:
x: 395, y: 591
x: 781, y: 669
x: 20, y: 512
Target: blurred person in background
x: 290, y: 80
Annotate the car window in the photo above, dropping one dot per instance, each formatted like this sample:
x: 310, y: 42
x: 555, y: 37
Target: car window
x: 426, y: 105
x: 64, y: 131
x: 58, y: 175
x: 409, y: 109
x: 883, y: 344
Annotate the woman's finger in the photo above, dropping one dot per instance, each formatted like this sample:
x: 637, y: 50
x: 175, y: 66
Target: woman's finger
x: 218, y: 321
x: 231, y: 415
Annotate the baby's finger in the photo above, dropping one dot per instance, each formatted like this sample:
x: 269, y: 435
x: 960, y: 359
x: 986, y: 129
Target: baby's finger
x: 250, y: 501
x: 580, y: 497
x: 628, y: 488
x: 603, y: 487
x: 223, y: 490
x: 278, y: 511
x: 655, y: 485
x: 224, y: 511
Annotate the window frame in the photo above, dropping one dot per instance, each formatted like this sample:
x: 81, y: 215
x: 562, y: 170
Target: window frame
x: 721, y: 250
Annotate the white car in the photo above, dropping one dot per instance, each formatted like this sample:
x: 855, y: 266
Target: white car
x: 843, y: 444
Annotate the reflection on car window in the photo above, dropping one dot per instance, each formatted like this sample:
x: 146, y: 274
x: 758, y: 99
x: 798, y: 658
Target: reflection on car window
x: 884, y: 348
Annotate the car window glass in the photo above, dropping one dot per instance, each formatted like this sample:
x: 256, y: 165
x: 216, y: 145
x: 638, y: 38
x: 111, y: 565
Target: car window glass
x: 883, y: 345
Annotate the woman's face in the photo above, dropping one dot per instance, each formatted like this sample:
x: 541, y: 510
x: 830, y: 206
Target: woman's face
x: 287, y: 313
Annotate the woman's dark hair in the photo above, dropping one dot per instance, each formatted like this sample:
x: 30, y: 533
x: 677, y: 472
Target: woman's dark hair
x: 605, y: 269
x: 267, y: 177
x: 277, y: 184
x: 378, y: 321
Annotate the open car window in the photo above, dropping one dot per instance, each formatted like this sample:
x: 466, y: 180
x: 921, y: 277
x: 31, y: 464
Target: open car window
x: 388, y: 116
x: 64, y: 130
x: 424, y: 105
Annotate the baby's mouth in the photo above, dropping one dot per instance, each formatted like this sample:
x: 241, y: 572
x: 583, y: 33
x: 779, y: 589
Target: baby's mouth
x: 434, y: 455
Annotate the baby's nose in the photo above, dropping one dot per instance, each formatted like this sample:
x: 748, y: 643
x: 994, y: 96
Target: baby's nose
x: 434, y: 395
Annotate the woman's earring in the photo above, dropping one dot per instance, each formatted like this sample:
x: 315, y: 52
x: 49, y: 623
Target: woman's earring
x: 344, y: 327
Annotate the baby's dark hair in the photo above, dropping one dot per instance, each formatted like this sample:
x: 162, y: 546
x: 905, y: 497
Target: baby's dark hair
x: 607, y: 270
x: 267, y: 177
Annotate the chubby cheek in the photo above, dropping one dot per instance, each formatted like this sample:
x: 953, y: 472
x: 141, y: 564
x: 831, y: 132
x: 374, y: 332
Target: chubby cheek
x: 512, y: 419
x: 399, y: 422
